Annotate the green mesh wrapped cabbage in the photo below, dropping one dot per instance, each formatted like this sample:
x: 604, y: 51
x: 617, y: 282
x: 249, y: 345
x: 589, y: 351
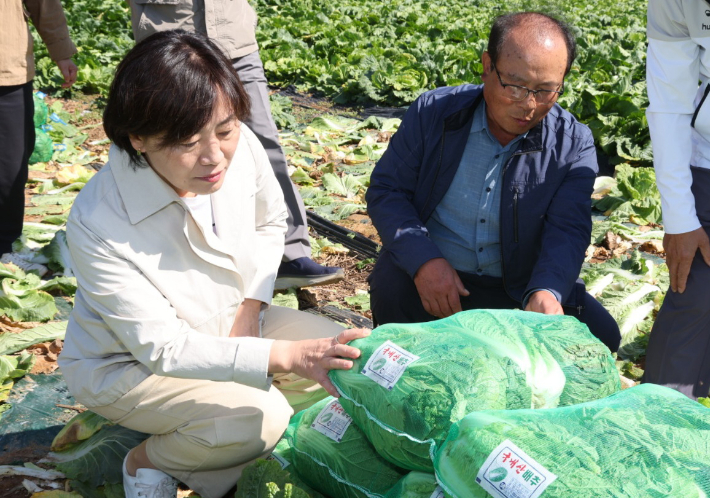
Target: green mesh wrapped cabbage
x: 417, y: 485
x: 266, y: 479
x: 474, y: 360
x: 283, y: 454
x: 348, y: 468
x: 644, y: 442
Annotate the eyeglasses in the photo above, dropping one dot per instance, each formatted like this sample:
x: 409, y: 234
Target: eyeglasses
x: 519, y: 93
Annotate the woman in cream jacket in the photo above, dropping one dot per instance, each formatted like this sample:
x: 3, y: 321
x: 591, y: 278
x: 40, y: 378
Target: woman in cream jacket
x: 175, y: 244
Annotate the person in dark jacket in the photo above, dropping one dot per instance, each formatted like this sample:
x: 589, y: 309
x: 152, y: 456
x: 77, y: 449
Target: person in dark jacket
x: 482, y: 199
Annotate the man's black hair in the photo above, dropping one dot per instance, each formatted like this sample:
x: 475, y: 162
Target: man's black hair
x: 504, y: 24
x: 168, y: 86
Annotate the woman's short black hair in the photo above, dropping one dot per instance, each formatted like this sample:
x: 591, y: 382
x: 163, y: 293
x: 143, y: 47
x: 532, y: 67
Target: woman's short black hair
x: 168, y: 85
x: 504, y: 24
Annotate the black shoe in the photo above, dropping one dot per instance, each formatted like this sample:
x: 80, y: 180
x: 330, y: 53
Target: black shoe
x: 304, y: 272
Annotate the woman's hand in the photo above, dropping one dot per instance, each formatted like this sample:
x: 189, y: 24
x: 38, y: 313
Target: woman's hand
x: 246, y: 323
x: 314, y: 358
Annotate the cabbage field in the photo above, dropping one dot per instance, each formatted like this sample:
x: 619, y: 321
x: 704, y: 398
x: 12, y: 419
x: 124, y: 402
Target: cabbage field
x: 342, y: 74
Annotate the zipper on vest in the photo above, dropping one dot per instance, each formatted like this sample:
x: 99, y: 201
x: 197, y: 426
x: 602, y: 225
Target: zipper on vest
x: 515, y: 218
x: 438, y: 168
x: 702, y: 101
x: 515, y: 214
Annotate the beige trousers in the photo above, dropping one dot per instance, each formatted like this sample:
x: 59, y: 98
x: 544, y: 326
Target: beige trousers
x: 205, y: 432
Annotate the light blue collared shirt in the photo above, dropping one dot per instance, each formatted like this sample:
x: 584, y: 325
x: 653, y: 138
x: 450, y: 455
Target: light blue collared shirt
x: 465, y: 226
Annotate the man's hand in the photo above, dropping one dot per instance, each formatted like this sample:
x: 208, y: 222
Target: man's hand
x: 439, y: 288
x: 680, y: 250
x: 246, y: 323
x: 69, y: 71
x: 545, y: 303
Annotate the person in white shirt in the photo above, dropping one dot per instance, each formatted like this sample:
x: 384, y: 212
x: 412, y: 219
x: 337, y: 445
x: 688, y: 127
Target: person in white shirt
x: 175, y: 244
x: 679, y: 121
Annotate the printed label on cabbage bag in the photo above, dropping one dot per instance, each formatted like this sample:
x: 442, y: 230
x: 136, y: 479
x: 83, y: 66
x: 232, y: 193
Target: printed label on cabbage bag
x: 509, y: 472
x: 332, y: 421
x: 438, y: 493
x: 387, y: 364
x: 282, y: 461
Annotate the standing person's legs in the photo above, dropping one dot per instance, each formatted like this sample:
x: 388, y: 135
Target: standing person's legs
x: 17, y: 139
x: 298, y: 270
x: 679, y: 346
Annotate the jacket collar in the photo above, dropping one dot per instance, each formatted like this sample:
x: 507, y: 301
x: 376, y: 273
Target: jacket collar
x: 143, y: 192
x: 459, y: 118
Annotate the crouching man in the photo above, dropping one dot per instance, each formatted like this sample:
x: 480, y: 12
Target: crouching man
x: 482, y: 199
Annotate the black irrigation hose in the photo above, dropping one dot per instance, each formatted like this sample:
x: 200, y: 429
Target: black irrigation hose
x: 356, y: 242
x: 341, y: 315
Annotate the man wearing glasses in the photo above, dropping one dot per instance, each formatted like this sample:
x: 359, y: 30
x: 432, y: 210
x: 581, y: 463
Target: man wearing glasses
x: 482, y: 199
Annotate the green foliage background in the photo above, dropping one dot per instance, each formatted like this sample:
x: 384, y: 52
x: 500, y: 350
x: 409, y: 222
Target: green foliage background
x: 387, y: 53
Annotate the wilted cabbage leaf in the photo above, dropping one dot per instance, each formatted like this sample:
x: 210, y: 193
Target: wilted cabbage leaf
x: 75, y: 173
x: 11, y: 369
x: 81, y: 427
x: 98, y: 460
x: 14, y: 342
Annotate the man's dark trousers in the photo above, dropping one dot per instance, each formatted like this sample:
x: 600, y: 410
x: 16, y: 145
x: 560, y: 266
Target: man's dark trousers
x: 394, y: 299
x: 17, y: 140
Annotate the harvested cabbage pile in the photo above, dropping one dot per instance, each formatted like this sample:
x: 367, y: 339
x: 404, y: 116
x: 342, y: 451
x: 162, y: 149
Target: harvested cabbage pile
x: 417, y: 485
x: 283, y: 454
x: 412, y: 381
x: 646, y: 441
x: 331, y: 454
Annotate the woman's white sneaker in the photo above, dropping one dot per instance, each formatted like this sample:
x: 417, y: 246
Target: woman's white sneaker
x: 149, y: 483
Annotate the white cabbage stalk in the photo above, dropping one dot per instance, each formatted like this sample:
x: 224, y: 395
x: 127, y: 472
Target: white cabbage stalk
x: 603, y: 185
x: 637, y: 316
x: 600, y: 284
x: 639, y: 294
x: 543, y: 374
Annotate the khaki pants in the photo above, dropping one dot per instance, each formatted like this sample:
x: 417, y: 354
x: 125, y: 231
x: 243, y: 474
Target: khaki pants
x: 205, y: 432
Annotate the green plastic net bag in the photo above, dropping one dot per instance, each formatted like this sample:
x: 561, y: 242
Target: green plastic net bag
x: 644, y: 442
x: 332, y: 455
x: 41, y: 111
x: 283, y: 454
x: 266, y: 479
x: 417, y: 485
x: 413, y: 381
x: 44, y: 148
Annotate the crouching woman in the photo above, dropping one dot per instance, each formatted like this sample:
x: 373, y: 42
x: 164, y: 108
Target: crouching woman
x: 175, y: 244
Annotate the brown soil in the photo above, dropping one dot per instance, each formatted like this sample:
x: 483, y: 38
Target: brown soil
x: 362, y: 224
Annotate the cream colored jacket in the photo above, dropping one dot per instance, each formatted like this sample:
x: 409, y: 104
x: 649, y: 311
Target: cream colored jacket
x: 229, y: 23
x: 17, y: 65
x: 157, y: 293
